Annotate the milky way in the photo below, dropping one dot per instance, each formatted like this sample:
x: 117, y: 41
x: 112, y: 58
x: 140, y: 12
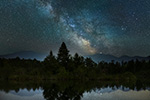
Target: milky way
x: 88, y: 27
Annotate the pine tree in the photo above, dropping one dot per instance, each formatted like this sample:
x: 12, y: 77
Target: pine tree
x: 89, y: 62
x: 50, y: 57
x: 78, y: 60
x: 50, y: 63
x: 63, y: 55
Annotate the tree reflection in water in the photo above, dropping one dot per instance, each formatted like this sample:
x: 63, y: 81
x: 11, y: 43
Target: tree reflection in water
x: 61, y: 93
x: 70, y: 90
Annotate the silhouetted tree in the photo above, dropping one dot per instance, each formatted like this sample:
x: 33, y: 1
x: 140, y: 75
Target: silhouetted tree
x: 78, y: 60
x: 131, y: 66
x: 89, y: 62
x: 49, y: 57
x: 50, y: 63
x: 63, y: 55
x: 1, y: 62
x: 138, y: 65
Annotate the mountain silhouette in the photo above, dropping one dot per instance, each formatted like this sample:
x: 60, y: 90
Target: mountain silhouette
x: 109, y: 58
x: 95, y: 57
x: 25, y: 55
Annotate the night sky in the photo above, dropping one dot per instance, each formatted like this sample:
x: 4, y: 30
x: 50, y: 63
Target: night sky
x: 116, y: 27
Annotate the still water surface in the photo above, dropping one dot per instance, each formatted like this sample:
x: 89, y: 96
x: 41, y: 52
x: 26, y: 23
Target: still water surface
x: 71, y: 91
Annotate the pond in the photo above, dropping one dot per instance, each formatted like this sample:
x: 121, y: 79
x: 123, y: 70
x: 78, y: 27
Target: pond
x: 72, y: 91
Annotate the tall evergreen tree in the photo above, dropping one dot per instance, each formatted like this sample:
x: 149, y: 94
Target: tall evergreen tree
x: 63, y: 55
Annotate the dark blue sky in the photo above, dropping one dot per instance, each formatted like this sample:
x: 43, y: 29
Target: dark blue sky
x: 117, y: 27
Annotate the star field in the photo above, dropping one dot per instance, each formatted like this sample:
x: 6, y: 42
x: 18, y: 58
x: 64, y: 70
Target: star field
x: 88, y: 27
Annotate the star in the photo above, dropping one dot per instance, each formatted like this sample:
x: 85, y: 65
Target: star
x: 88, y: 27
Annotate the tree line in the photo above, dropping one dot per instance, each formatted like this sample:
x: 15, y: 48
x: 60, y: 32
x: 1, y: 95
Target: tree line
x: 65, y: 66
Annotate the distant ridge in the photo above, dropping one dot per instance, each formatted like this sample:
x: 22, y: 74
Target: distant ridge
x: 109, y: 58
x: 25, y: 55
x: 95, y: 57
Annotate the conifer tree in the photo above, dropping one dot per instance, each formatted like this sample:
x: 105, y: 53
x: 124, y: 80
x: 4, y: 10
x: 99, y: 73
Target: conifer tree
x: 63, y: 55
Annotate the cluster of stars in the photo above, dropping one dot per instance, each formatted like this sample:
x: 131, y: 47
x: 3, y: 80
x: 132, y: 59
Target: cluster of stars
x: 88, y: 27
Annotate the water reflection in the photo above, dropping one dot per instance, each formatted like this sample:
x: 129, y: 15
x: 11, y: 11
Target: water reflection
x: 22, y: 94
x: 117, y: 95
x: 73, y: 90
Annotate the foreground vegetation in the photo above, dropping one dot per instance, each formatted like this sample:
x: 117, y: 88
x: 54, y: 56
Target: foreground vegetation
x: 67, y: 67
